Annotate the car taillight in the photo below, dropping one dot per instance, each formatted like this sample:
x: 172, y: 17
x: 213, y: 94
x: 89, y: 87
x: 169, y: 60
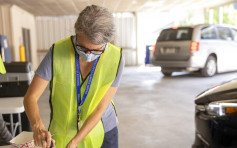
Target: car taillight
x: 154, y: 48
x: 175, y: 27
x: 194, y: 47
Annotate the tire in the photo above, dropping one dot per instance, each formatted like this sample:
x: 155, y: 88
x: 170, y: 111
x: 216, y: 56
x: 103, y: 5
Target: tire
x: 166, y: 73
x: 210, y: 67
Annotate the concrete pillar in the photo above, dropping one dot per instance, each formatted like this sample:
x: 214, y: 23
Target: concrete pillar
x: 221, y: 15
x: 136, y: 21
x: 211, y: 16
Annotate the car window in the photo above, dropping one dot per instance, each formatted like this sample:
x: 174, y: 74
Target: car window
x: 224, y: 33
x: 234, y: 33
x: 208, y: 33
x: 176, y: 34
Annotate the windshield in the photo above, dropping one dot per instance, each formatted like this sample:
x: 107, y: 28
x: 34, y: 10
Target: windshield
x: 176, y: 34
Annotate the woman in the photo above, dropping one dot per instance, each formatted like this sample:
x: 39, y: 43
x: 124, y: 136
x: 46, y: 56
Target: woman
x: 84, y: 72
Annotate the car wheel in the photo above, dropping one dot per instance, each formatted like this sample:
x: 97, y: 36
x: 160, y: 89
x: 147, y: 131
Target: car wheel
x: 210, y: 67
x: 166, y: 73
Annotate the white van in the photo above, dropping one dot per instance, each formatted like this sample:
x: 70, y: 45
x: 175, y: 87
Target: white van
x: 209, y: 48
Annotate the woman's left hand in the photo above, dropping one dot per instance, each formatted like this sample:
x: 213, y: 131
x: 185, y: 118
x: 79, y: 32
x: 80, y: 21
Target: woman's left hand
x: 72, y: 144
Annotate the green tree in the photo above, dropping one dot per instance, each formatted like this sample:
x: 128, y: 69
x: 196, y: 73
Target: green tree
x: 229, y: 15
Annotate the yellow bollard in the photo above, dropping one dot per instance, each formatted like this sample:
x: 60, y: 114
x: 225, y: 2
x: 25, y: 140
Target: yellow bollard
x: 22, y: 54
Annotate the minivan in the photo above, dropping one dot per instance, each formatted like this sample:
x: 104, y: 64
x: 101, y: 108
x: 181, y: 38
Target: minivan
x: 209, y: 49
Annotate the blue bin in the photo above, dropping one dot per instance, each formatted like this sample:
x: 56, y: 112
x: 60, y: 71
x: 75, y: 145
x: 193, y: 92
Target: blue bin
x: 148, y: 56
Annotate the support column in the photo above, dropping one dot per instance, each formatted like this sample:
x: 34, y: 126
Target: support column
x: 221, y: 15
x: 211, y: 16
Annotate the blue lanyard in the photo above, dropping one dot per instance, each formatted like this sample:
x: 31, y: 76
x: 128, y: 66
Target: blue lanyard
x: 78, y: 84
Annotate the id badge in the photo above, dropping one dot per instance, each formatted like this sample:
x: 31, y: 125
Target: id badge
x: 78, y: 125
x: 78, y: 120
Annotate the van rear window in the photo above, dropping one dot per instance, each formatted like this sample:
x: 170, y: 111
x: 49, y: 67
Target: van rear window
x: 176, y: 34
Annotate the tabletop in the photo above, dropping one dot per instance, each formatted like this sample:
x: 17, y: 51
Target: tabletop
x: 11, y: 105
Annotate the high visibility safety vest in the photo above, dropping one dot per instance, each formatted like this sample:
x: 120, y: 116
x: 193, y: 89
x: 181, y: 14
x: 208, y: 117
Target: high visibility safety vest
x: 63, y: 100
x: 2, y: 68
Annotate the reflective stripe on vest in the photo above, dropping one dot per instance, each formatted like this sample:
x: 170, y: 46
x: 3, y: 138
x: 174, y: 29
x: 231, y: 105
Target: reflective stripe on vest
x: 63, y: 93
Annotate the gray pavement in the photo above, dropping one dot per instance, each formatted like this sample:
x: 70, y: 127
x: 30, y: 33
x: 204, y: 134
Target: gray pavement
x: 155, y: 111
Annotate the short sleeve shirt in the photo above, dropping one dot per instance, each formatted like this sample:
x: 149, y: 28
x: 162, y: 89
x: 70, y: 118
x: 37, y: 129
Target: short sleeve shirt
x: 109, y: 118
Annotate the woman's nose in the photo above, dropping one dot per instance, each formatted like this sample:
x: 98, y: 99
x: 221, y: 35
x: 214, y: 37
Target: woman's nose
x: 88, y: 52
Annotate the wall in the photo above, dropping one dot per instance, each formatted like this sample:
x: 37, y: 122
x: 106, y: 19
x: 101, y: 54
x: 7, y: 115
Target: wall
x: 23, y: 19
x: 5, y: 24
x: 126, y: 36
x: 53, y: 29
x: 12, y: 20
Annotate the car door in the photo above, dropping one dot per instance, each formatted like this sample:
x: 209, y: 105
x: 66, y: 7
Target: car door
x: 225, y: 54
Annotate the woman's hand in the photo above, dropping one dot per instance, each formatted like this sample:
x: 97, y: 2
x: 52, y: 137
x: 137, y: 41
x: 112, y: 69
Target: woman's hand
x: 72, y: 144
x: 42, y: 137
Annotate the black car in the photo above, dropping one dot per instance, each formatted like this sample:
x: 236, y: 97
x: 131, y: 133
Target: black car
x: 216, y: 117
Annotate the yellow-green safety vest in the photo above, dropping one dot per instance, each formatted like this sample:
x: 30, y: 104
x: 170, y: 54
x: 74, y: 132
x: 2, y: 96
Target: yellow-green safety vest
x: 63, y: 100
x: 2, y: 68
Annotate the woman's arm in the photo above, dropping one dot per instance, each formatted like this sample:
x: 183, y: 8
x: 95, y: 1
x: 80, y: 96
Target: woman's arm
x: 93, y: 119
x: 31, y: 98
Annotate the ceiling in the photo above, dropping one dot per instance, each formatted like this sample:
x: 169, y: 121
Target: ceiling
x: 72, y: 7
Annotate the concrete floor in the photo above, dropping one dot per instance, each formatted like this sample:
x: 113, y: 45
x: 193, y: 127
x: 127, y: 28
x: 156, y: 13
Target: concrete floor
x: 155, y: 111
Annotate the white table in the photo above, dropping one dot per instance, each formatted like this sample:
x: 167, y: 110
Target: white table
x: 12, y: 105
x: 7, y: 146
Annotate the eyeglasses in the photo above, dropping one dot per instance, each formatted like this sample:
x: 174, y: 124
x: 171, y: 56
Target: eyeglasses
x: 97, y: 51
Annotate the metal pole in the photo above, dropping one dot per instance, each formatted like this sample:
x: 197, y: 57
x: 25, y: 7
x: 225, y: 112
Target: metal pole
x: 19, y: 120
x: 11, y: 123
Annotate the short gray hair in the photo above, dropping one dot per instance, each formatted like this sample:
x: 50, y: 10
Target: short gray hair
x: 97, y: 23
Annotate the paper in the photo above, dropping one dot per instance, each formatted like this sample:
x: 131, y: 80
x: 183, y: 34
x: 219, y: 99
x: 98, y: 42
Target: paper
x: 23, y: 140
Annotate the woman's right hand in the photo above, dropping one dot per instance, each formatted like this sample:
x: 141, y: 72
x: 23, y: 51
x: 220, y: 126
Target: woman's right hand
x: 42, y: 137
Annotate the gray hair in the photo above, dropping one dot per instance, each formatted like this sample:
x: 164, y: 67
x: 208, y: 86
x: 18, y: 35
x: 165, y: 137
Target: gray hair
x: 97, y: 23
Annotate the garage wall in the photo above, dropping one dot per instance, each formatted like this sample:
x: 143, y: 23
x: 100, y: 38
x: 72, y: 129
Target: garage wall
x: 22, y: 19
x: 126, y: 36
x: 12, y: 20
x: 5, y: 24
x: 53, y: 29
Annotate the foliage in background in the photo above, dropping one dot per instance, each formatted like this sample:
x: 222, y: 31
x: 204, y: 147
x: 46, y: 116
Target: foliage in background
x: 229, y: 15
